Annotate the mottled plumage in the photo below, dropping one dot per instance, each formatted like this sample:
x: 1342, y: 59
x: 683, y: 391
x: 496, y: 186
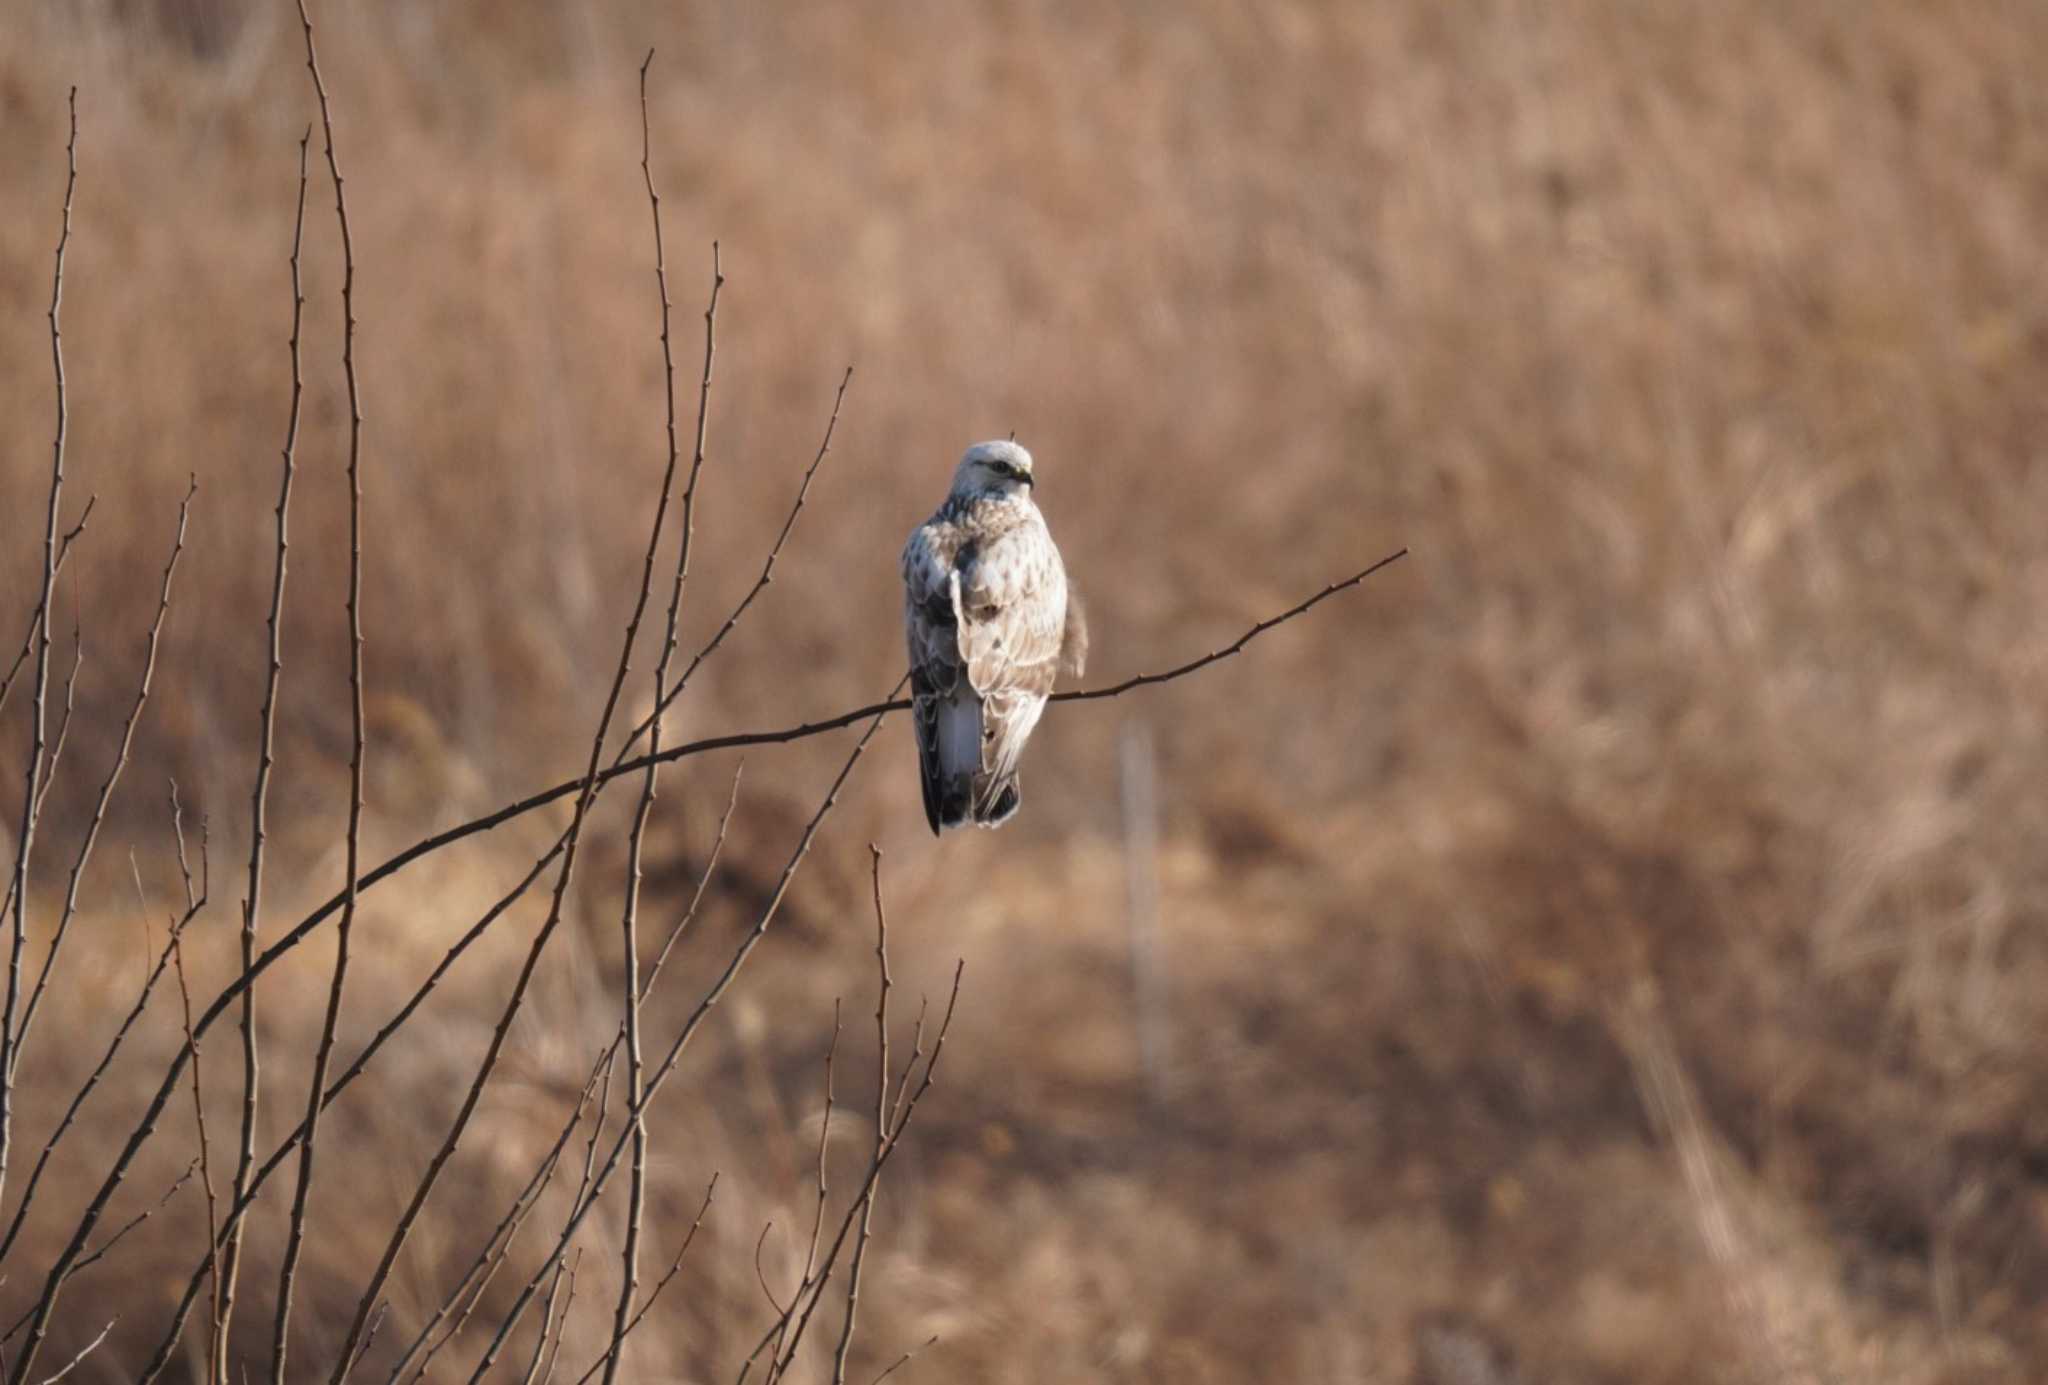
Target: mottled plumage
x: 989, y: 625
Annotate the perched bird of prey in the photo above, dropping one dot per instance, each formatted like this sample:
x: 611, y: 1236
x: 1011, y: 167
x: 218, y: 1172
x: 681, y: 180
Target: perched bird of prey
x: 989, y: 622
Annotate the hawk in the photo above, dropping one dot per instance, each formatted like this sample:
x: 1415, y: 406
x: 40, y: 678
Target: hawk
x: 989, y: 622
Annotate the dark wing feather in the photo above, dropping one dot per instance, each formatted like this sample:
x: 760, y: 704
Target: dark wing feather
x: 935, y: 664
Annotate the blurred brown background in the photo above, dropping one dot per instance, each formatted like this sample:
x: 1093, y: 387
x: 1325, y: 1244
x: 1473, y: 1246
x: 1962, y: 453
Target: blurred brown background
x: 1607, y: 947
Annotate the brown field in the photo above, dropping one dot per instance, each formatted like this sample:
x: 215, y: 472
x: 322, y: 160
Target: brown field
x: 1609, y: 946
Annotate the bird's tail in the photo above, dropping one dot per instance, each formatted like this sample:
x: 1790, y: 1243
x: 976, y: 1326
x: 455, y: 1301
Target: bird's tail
x: 954, y: 791
x: 996, y: 799
x: 963, y: 790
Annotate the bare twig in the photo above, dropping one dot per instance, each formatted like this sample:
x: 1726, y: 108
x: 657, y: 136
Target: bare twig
x: 161, y: 1358
x: 636, y: 1201
x: 904, y: 1359
x: 875, y: 1173
x: 561, y: 1328
x: 767, y: 574
x: 63, y: 728
x: 867, y: 1201
x: 363, y: 1348
x: 114, y: 1240
x: 711, y: 864
x: 824, y: 1138
x: 24, y: 844
x: 908, y: 1104
x: 90, y: 1084
x: 761, y: 1275
x: 690, y: 1026
x: 662, y: 1283
x: 84, y: 1352
x: 252, y: 904
x: 28, y: 636
x: 106, y: 1247
x: 499, y: 1243
x: 113, y: 777
x: 191, y: 1051
x: 916, y: 1052
x: 516, y: 999
x: 547, y: 1320
x: 280, y: 1339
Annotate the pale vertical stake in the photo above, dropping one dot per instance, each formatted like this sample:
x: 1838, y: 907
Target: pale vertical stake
x: 1139, y: 768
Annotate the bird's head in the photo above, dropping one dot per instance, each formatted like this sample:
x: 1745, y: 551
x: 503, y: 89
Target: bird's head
x: 993, y: 469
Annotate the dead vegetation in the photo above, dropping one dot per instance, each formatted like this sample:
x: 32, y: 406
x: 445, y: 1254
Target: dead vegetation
x: 1611, y: 952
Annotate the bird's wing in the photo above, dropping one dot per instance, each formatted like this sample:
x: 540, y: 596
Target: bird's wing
x: 1011, y: 609
x: 936, y: 665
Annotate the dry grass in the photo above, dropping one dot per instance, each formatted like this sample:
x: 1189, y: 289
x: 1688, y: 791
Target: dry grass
x: 1614, y: 939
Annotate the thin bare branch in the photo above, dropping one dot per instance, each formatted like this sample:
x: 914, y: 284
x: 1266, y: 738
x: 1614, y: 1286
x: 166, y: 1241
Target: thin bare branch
x: 767, y: 574
x: 280, y: 1338
x: 824, y: 1139
x: 867, y: 1201
x: 547, y: 1323
x: 909, y: 1104
x: 655, y: 1293
x: 369, y: 1338
x: 904, y: 1359
x: 874, y: 1175
x: 28, y: 636
x: 697, y: 898
x: 636, y: 1200
x: 588, y: 790
x: 113, y: 776
x: 428, y: 845
x: 84, y: 1352
x: 70, y: 706
x: 760, y: 1275
x: 499, y: 1243
x: 161, y: 1358
x: 690, y: 1026
x: 561, y: 1328
x: 107, y: 1246
x: 91, y: 1083
x: 24, y: 844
